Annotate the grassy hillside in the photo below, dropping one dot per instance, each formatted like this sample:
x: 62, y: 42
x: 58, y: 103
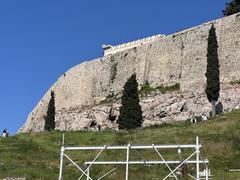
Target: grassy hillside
x: 36, y: 156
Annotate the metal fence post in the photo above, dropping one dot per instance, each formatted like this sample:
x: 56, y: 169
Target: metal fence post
x: 197, y: 158
x: 127, y: 160
x: 61, y: 159
x: 88, y: 173
x: 206, y: 172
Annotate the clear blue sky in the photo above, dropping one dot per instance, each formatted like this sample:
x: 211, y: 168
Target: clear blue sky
x: 40, y: 40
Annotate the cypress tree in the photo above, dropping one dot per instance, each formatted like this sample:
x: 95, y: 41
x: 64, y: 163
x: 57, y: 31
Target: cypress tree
x: 50, y: 117
x: 212, y: 73
x: 130, y: 112
x: 232, y: 7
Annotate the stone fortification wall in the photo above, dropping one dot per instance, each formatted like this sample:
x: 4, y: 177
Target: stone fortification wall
x: 177, y: 58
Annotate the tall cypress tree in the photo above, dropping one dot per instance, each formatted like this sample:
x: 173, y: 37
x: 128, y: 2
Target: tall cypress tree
x: 50, y: 117
x: 232, y: 7
x: 130, y: 112
x: 212, y: 73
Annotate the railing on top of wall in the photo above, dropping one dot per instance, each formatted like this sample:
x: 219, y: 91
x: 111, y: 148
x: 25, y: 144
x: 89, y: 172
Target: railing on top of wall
x: 109, y: 49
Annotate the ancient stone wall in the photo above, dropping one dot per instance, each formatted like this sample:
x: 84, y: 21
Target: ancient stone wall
x: 177, y: 58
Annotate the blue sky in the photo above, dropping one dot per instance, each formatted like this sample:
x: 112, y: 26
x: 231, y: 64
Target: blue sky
x: 40, y: 40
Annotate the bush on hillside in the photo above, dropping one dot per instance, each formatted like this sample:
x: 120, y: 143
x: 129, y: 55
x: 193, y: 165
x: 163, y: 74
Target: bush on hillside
x: 50, y: 117
x: 212, y: 73
x: 232, y: 7
x: 130, y: 112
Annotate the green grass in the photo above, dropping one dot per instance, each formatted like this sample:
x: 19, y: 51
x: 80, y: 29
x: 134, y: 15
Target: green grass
x: 36, y: 156
x: 147, y: 89
x: 166, y: 89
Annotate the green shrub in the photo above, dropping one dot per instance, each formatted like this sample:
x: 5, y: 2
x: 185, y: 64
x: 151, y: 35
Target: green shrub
x: 147, y: 89
x: 130, y: 116
x: 212, y: 74
x: 166, y: 89
x: 232, y: 7
x: 113, y: 72
x: 235, y: 82
x: 50, y: 117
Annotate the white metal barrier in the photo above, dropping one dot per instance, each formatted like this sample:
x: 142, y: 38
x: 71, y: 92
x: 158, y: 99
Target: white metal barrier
x: 172, y: 172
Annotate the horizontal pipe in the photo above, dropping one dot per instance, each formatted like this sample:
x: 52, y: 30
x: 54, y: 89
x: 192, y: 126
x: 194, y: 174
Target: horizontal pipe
x: 133, y: 147
x: 96, y: 148
x: 141, y: 162
x: 234, y: 170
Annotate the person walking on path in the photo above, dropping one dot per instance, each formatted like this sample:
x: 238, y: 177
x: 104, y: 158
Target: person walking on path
x: 193, y: 119
x: 204, y: 118
x: 5, y: 133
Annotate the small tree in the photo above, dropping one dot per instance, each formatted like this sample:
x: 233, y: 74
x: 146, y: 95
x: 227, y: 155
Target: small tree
x: 50, y: 117
x: 130, y: 112
x: 212, y: 73
x: 232, y: 7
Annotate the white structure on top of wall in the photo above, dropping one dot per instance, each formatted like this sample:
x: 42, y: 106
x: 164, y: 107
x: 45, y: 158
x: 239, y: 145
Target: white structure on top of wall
x: 109, y: 49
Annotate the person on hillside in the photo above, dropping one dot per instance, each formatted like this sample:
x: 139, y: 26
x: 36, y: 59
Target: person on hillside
x: 99, y: 128
x: 5, y: 133
x: 193, y: 119
x: 204, y: 118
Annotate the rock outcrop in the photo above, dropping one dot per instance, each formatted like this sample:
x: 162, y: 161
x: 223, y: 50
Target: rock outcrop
x: 177, y: 58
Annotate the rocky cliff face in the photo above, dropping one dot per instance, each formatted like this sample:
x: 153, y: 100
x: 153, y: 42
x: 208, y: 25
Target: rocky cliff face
x: 177, y: 58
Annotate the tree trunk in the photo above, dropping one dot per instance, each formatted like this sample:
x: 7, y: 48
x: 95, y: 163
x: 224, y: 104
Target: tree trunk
x: 213, y: 108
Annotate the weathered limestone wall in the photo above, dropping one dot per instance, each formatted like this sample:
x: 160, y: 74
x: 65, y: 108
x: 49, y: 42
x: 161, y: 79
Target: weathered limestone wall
x: 177, y: 58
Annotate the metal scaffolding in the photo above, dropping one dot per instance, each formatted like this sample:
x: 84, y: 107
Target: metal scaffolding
x: 172, y: 172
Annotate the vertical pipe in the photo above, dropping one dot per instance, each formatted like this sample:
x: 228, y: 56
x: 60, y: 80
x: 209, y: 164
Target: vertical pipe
x: 127, y: 160
x: 61, y: 163
x: 197, y: 158
x: 206, y: 172
x: 88, y: 173
x: 61, y: 159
